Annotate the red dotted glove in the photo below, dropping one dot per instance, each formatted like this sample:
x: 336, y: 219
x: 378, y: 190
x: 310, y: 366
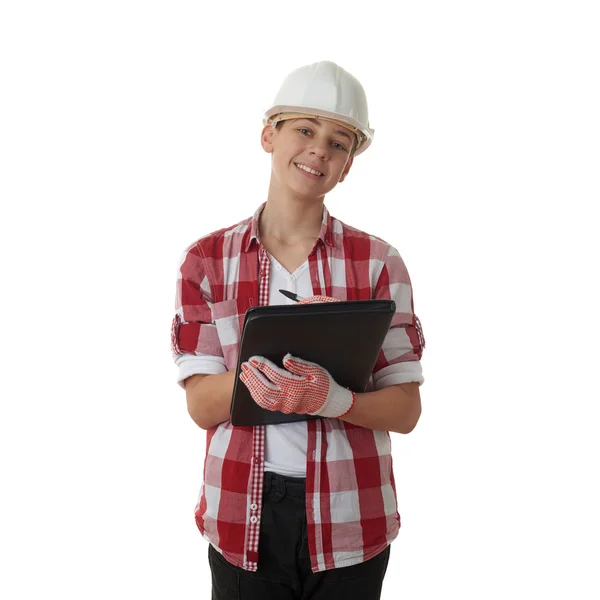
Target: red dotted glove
x: 302, y: 387
x: 315, y: 299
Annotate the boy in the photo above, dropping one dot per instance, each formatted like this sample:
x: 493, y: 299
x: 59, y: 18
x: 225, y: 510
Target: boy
x: 305, y: 509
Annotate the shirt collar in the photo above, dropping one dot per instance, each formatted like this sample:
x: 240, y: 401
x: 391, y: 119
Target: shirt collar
x: 325, y: 234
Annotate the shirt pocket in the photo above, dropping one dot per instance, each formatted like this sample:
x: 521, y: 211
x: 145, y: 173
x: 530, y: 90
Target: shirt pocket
x: 228, y: 317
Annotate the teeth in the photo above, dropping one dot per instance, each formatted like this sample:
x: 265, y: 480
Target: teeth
x: 308, y: 169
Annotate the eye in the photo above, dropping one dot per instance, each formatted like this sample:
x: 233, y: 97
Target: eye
x: 339, y: 146
x: 304, y: 131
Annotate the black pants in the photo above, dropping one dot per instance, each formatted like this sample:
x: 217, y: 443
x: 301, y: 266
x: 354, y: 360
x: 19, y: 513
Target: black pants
x: 284, y: 571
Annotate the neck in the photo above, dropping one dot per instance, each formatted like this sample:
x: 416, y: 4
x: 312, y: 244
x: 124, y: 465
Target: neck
x: 291, y: 219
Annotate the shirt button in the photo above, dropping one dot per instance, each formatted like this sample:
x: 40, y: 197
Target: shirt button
x: 293, y: 278
x: 253, y: 519
x: 253, y: 506
x: 278, y: 267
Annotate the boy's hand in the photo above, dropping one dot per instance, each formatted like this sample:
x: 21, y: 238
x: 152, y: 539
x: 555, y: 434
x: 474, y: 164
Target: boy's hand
x: 302, y: 387
x: 315, y: 299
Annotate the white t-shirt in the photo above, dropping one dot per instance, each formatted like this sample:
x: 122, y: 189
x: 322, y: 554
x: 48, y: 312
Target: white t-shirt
x: 285, y: 443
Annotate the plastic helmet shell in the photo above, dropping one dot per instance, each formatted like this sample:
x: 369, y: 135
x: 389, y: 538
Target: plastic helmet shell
x: 325, y: 90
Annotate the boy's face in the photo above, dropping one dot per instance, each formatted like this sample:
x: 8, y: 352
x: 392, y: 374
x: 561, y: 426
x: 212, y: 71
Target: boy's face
x: 300, y: 145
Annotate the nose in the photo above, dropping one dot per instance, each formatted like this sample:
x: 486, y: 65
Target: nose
x: 319, y: 149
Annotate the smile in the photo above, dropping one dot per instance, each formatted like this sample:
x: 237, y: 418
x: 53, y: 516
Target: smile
x: 309, y: 170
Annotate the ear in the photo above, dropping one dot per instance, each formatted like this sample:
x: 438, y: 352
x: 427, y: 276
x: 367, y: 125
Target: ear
x: 266, y: 138
x: 346, y: 169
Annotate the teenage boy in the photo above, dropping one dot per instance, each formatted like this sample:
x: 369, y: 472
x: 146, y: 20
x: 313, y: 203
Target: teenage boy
x: 304, y: 509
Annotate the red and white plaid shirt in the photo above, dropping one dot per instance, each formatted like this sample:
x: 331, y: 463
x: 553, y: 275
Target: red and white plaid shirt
x: 350, y: 492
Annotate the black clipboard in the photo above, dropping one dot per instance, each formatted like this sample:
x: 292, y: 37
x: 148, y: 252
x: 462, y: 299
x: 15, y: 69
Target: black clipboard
x: 343, y: 337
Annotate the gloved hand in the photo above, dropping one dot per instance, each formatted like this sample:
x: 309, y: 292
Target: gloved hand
x: 302, y: 387
x: 315, y: 299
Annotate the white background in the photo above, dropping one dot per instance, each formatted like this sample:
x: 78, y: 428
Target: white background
x: 130, y: 129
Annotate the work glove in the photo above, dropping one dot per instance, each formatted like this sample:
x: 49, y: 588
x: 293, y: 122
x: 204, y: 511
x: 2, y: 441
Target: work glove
x: 315, y: 299
x: 302, y: 387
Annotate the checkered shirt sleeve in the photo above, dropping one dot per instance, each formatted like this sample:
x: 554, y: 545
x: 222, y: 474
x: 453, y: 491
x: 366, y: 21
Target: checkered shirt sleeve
x: 195, y: 343
x: 399, y: 359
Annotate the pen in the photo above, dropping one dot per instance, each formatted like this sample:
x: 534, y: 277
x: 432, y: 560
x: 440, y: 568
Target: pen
x: 292, y: 296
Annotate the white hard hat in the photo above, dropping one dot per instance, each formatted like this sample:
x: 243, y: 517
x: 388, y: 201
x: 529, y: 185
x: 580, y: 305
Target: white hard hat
x: 326, y: 91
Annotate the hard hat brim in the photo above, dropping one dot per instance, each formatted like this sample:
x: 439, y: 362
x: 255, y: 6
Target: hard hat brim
x: 284, y: 113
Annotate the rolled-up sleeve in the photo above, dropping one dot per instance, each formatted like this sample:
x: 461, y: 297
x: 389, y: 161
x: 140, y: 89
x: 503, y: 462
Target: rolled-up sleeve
x: 195, y: 344
x: 400, y: 358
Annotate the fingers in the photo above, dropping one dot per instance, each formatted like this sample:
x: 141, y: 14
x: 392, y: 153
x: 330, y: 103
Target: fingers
x: 265, y: 393
x: 257, y: 378
x: 301, y: 367
x: 316, y: 299
x: 272, y: 371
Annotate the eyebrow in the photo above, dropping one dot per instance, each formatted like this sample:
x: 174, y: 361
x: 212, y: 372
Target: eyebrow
x: 318, y: 124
